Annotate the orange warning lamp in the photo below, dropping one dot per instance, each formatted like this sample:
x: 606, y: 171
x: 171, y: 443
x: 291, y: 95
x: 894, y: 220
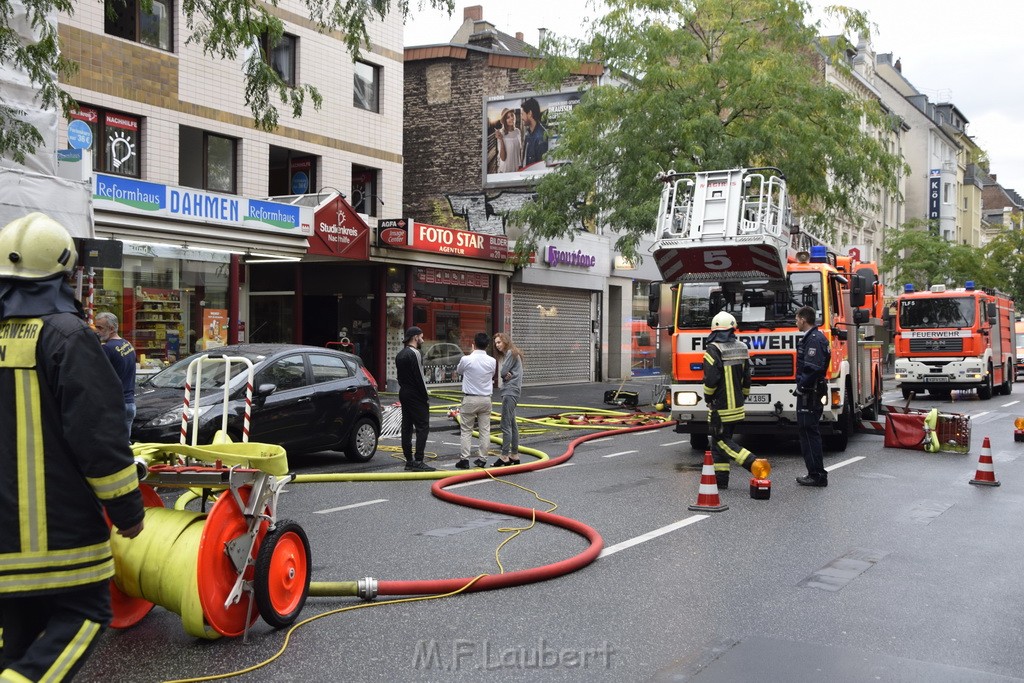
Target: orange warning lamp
x: 760, y: 469
x: 1018, y: 431
x: 1018, y: 423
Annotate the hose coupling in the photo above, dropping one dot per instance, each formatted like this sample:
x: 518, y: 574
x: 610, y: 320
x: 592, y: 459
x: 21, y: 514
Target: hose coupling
x: 366, y: 588
x: 141, y: 469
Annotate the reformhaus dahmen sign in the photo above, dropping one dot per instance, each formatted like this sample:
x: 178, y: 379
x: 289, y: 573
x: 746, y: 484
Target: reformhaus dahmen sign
x: 127, y: 195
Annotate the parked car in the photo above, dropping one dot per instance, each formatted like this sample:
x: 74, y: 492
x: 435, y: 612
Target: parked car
x: 305, y: 398
x: 440, y: 360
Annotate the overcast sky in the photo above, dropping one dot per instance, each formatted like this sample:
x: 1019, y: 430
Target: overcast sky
x: 964, y: 53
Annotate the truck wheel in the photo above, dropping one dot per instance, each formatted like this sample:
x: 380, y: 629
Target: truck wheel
x: 699, y: 442
x: 1006, y: 388
x: 906, y: 393
x: 837, y: 442
x: 985, y: 390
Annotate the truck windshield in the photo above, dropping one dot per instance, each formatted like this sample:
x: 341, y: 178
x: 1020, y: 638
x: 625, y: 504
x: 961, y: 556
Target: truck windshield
x: 754, y: 304
x: 936, y: 312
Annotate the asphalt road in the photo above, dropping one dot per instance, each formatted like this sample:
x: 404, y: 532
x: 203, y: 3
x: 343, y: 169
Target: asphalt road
x: 899, y: 571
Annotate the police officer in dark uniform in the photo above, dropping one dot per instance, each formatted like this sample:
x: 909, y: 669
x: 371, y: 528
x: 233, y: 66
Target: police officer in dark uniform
x: 812, y: 361
x: 726, y: 386
x: 64, y: 457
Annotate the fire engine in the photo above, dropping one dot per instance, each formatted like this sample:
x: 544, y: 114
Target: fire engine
x: 726, y: 240
x: 955, y: 339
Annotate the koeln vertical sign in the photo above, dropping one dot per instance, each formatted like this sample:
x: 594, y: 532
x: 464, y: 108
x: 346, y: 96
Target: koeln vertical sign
x: 934, y: 192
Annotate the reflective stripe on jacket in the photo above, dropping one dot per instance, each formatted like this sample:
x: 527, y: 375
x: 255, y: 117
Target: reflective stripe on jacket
x: 64, y: 454
x: 727, y: 377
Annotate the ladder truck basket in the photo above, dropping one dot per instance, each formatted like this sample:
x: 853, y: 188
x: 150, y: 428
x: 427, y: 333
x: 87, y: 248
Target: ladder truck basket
x: 731, y: 225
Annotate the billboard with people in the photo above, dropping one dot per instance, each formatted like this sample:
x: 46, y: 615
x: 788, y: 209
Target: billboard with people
x: 520, y: 135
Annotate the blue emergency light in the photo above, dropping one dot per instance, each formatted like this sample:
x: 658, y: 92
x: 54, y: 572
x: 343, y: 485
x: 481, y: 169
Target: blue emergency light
x: 969, y: 285
x: 819, y: 254
x: 908, y: 288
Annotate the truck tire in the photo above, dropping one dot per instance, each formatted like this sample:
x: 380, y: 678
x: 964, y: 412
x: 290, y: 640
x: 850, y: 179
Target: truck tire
x: 985, y: 390
x: 699, y: 442
x: 1006, y: 388
x: 906, y: 393
x: 837, y: 442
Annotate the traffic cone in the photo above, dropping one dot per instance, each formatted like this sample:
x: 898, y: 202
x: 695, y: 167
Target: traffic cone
x: 707, y: 495
x: 985, y: 475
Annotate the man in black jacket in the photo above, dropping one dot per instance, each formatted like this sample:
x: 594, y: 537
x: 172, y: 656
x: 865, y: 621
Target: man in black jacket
x: 64, y: 456
x: 412, y: 394
x: 812, y: 360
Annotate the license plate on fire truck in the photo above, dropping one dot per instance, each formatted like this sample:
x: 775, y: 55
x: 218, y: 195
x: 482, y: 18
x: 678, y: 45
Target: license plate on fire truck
x: 938, y: 378
x: 759, y: 398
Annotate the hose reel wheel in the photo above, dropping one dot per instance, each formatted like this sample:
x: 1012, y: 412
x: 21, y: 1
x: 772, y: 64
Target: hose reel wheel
x: 281, y: 581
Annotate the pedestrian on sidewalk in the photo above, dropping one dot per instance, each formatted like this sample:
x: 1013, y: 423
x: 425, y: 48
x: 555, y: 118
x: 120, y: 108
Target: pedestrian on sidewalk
x: 477, y: 370
x: 415, y: 402
x: 121, y: 355
x: 812, y: 361
x: 510, y: 382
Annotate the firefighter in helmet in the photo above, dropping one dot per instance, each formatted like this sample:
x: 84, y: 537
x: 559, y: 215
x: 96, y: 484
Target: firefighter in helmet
x: 726, y: 385
x: 64, y: 456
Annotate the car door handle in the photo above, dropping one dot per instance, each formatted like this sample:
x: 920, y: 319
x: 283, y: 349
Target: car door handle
x: 304, y: 399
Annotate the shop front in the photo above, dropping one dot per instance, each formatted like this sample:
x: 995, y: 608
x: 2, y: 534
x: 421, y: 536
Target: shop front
x: 446, y: 282
x: 641, y: 343
x: 184, y: 254
x: 558, y: 309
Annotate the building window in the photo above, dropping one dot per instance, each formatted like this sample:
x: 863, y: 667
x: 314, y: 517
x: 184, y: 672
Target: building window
x: 129, y: 19
x: 207, y: 160
x: 366, y: 86
x: 115, y: 140
x: 282, y: 56
x: 947, y: 193
x: 365, y: 197
x: 291, y: 172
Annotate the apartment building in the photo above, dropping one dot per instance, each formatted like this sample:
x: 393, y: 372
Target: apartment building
x: 182, y: 177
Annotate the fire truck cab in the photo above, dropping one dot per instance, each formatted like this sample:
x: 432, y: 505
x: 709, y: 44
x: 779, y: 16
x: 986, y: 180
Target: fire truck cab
x: 955, y: 339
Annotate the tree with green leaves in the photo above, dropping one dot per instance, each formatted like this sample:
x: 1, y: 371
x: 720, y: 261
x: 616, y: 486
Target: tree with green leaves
x: 224, y: 28
x: 915, y: 254
x: 705, y: 85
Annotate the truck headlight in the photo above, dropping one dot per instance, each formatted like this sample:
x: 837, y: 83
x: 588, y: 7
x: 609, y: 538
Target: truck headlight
x: 685, y: 398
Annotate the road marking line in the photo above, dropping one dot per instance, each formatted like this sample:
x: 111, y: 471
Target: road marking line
x: 613, y: 455
x: 977, y: 415
x: 1011, y: 403
x: 468, y: 483
x: 675, y: 443
x: 843, y: 463
x: 349, y: 507
x: 449, y: 443
x: 612, y: 549
x: 555, y: 467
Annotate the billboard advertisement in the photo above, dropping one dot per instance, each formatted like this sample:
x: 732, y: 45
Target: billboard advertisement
x: 520, y: 135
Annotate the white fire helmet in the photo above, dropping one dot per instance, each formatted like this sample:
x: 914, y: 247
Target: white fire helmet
x: 723, y: 321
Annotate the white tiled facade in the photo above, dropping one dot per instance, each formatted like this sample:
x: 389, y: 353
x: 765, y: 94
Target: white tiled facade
x: 214, y: 89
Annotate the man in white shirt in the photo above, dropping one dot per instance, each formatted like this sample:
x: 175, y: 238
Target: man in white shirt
x: 477, y: 370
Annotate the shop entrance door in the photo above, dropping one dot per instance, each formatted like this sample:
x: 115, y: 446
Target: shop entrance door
x: 272, y: 318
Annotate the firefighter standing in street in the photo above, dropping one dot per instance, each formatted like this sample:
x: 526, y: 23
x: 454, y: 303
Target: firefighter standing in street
x: 812, y: 360
x: 726, y: 385
x: 64, y: 456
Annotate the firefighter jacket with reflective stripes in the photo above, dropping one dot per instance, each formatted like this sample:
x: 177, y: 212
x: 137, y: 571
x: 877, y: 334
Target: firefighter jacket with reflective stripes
x: 726, y: 375
x: 64, y: 456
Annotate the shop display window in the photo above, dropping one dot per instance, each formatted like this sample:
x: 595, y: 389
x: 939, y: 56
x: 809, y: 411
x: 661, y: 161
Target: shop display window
x: 450, y: 306
x: 643, y: 339
x: 170, y: 302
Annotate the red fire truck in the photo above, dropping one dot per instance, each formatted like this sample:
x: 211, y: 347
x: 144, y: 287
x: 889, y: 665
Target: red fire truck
x: 955, y: 339
x: 726, y: 242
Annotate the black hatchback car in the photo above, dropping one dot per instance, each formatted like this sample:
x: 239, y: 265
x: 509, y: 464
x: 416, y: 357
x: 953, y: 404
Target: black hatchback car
x: 305, y: 398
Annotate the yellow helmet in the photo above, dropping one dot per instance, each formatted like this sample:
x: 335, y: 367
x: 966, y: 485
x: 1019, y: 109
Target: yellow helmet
x: 723, y: 321
x: 35, y: 247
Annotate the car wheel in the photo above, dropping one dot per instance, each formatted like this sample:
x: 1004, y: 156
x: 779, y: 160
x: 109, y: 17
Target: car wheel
x: 699, y: 442
x: 362, y: 442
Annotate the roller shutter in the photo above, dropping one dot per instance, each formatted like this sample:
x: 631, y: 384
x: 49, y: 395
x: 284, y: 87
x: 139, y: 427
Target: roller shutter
x: 552, y: 327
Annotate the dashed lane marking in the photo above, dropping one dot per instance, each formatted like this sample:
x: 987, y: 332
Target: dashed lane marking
x: 843, y: 463
x: 1011, y: 403
x: 675, y: 443
x: 612, y: 549
x: 349, y: 507
x: 615, y: 455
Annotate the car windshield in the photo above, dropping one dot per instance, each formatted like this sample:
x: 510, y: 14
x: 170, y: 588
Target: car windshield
x: 755, y: 304
x: 213, y: 372
x: 936, y: 312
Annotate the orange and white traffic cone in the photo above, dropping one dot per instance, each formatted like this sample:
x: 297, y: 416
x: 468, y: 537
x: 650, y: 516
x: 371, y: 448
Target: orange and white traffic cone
x: 707, y: 495
x: 985, y: 475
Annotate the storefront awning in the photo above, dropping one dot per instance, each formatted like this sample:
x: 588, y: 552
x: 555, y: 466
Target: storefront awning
x: 124, y: 226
